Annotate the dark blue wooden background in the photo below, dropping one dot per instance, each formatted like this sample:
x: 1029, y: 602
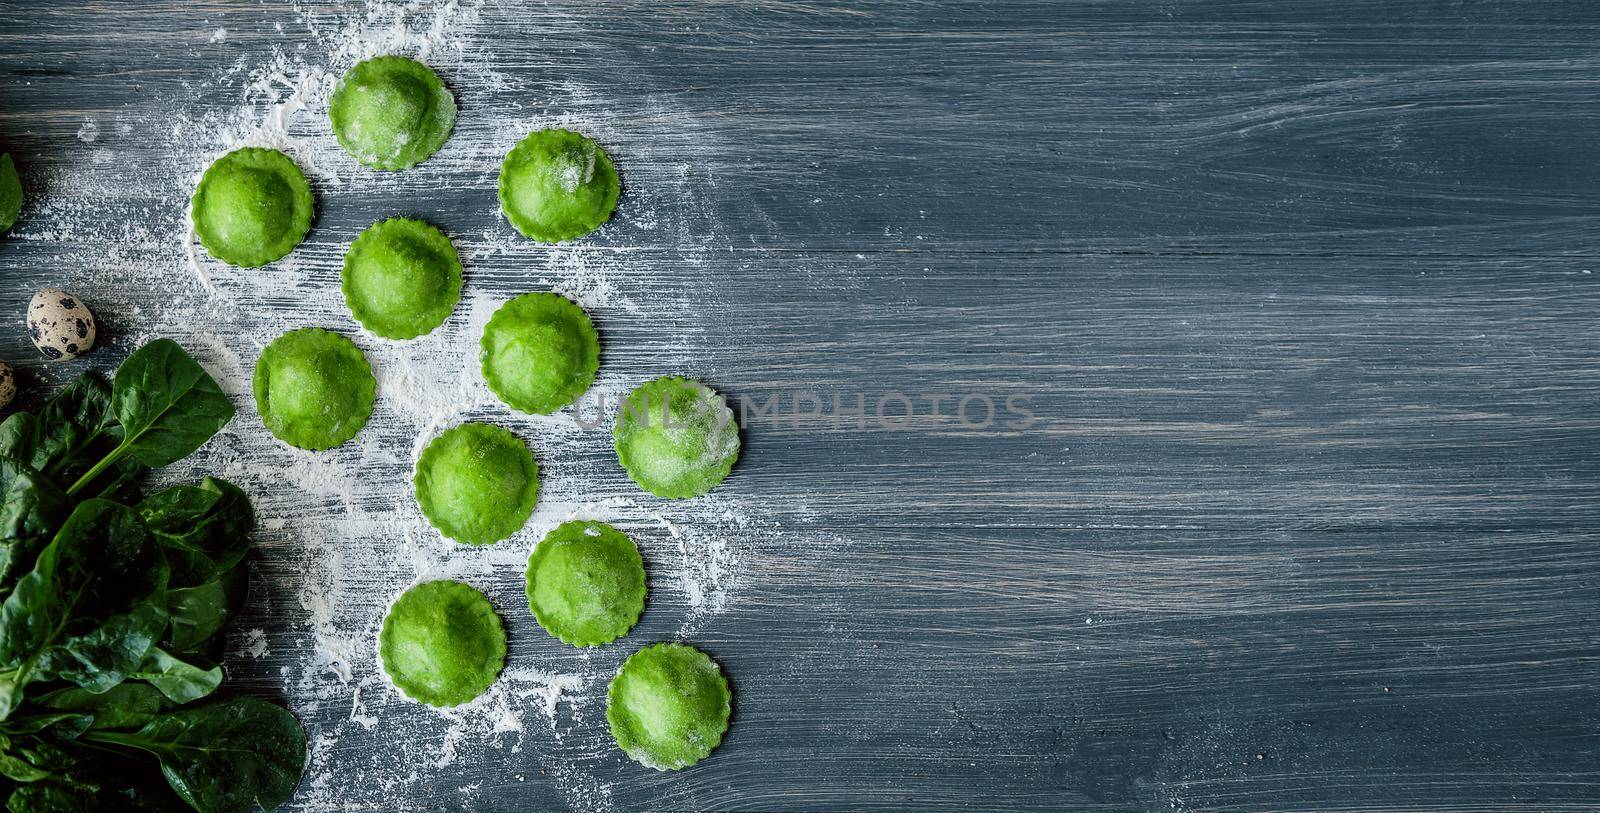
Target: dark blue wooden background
x: 1301, y: 292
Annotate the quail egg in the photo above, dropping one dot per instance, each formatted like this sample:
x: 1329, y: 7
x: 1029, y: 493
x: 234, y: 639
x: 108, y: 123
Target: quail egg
x: 60, y: 325
x: 8, y: 385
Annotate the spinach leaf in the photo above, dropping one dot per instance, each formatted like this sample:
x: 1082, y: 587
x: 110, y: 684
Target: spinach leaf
x: 72, y: 432
x: 82, y: 779
x: 19, y: 770
x: 66, y: 425
x: 20, y: 436
x: 127, y: 705
x: 204, y: 529
x: 167, y: 406
x: 64, y: 724
x: 178, y: 679
x: 225, y: 755
x: 65, y: 796
x: 30, y: 509
x: 53, y: 797
x: 166, y: 403
x: 76, y: 428
x: 86, y: 402
x: 31, y: 758
x: 197, y: 614
x: 24, y: 758
x: 89, y: 609
x: 110, y: 647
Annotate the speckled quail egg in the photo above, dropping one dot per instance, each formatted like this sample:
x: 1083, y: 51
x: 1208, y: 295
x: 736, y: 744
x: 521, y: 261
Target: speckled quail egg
x: 60, y: 325
x: 8, y: 385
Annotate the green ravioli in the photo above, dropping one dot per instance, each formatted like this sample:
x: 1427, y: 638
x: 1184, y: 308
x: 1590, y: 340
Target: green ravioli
x: 442, y: 643
x: 668, y: 706
x: 314, y: 389
x: 676, y: 437
x: 253, y: 206
x: 557, y: 185
x: 392, y: 112
x: 10, y: 193
x: 586, y: 583
x: 539, y: 352
x: 401, y: 278
x: 477, y: 483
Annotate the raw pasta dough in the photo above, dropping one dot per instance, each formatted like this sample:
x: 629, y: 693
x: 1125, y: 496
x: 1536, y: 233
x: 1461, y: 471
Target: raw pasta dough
x: 392, y: 112
x: 401, y: 278
x: 557, y: 185
x: 314, y: 389
x: 676, y: 437
x: 477, y: 483
x: 539, y: 352
x: 668, y: 706
x: 586, y: 583
x: 252, y: 206
x: 10, y: 193
x: 442, y: 643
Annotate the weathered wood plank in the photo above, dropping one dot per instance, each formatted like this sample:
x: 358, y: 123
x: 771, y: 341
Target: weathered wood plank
x: 1302, y: 295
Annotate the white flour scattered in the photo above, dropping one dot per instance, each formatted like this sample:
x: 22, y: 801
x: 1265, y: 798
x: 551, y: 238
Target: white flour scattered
x: 255, y: 643
x: 339, y: 531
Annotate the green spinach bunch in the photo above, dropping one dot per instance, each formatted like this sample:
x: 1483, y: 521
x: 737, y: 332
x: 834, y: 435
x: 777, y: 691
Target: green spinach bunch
x: 113, y: 604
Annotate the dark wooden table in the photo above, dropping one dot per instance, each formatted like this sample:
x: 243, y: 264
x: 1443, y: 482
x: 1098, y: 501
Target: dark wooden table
x: 1300, y: 293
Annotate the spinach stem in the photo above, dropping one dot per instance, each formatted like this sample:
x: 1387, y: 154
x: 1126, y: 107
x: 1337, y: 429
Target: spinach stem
x: 99, y: 468
x: 130, y: 740
x: 88, y: 739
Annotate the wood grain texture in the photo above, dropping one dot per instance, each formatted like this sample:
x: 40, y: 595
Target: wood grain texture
x: 1302, y: 295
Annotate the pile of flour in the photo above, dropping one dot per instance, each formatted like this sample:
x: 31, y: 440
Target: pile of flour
x: 339, y: 531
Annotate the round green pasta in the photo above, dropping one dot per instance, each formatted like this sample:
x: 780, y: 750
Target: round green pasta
x: 676, y: 437
x: 668, y: 706
x: 10, y: 193
x: 539, y: 352
x: 401, y: 278
x: 314, y: 389
x: 586, y: 583
x: 476, y: 483
x: 391, y: 112
x: 442, y: 643
x: 252, y: 206
x: 557, y: 185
